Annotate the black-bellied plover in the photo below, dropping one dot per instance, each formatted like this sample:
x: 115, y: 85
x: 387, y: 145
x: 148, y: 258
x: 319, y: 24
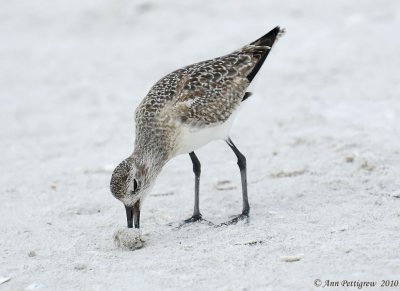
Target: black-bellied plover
x: 183, y: 111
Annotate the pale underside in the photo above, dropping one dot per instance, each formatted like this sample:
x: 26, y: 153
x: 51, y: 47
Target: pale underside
x: 192, y: 138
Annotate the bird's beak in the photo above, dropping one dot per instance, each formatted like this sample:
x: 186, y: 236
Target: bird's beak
x: 133, y: 213
x: 129, y: 216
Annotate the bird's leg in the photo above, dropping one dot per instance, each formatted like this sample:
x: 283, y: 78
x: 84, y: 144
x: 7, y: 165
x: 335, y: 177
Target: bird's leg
x: 197, y: 171
x: 196, y: 212
x: 242, y: 166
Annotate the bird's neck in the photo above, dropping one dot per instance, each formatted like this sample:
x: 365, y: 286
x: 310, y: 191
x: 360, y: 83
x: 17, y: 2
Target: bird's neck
x: 149, y: 161
x: 153, y: 150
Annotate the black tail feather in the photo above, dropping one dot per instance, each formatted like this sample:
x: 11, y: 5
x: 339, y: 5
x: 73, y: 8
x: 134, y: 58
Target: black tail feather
x: 266, y: 40
x: 246, y: 95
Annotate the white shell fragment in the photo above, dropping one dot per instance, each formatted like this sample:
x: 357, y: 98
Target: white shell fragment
x: 4, y: 279
x: 293, y: 258
x: 128, y: 238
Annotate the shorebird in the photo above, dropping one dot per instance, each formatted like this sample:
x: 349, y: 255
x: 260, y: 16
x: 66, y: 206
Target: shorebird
x: 184, y: 111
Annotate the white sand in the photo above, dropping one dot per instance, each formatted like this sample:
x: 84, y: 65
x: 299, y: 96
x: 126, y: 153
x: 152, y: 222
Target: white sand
x: 321, y: 135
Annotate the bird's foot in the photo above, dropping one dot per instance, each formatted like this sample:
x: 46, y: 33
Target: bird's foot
x: 244, y: 216
x: 195, y: 218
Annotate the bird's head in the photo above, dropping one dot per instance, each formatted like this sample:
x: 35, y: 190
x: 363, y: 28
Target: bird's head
x: 129, y: 183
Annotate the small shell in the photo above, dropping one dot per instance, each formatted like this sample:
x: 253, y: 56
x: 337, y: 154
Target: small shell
x: 293, y: 258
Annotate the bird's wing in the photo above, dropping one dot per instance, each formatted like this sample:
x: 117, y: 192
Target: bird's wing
x: 209, y: 92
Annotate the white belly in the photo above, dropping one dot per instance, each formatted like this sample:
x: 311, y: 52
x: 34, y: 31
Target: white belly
x: 192, y: 138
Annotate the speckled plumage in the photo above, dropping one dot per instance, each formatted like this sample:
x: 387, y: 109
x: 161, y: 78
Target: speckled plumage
x: 200, y: 96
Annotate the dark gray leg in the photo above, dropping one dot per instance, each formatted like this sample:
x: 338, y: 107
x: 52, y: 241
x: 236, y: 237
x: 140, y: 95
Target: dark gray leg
x: 242, y: 166
x: 197, y: 171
